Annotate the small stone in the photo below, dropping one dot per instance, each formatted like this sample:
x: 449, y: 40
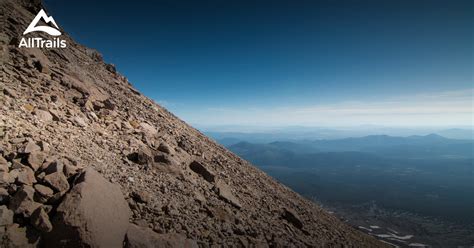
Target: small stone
x: 28, y: 107
x: 141, y: 196
x: 4, y: 196
x: 16, y: 164
x: 5, y: 178
x: 10, y: 93
x: 80, y: 122
x: 6, y: 216
x: 69, y: 169
x: 135, y: 124
x: 225, y: 193
x: 23, y: 203
x: 26, y: 176
x: 30, y: 147
x: 55, y: 166
x: 16, y: 237
x: 199, y: 197
x: 44, y: 146
x: 142, y: 157
x: 3, y: 164
x: 40, y: 220
x: 58, y: 181
x: 44, y: 193
x: 36, y: 159
x: 163, y: 147
x: 43, y: 115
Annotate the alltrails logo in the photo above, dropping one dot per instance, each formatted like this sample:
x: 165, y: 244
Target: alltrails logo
x: 41, y: 42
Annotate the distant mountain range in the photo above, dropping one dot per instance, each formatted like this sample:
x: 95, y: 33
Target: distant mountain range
x: 227, y: 137
x: 431, y: 145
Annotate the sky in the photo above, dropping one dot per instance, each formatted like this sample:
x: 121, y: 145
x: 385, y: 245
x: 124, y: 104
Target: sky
x: 314, y: 63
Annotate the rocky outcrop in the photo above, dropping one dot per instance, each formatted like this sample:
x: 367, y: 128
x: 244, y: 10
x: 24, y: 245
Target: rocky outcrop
x: 66, y: 110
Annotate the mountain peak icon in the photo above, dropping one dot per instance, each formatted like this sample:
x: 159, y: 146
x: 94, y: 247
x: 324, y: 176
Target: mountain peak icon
x: 47, y: 19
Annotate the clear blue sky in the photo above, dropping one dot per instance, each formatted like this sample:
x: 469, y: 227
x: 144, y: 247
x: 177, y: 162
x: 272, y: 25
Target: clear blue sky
x: 288, y: 62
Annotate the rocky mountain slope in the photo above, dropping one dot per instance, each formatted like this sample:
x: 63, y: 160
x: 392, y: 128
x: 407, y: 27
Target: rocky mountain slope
x: 63, y: 110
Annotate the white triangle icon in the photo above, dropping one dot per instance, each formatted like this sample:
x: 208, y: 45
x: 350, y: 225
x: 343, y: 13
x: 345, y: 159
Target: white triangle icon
x: 47, y: 19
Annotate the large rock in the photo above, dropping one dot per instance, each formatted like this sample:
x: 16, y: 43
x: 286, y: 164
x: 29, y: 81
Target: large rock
x: 36, y: 159
x: 18, y: 237
x: 93, y: 214
x: 6, y: 178
x: 26, y: 176
x: 3, y: 164
x: 200, y: 169
x: 40, y: 220
x: 57, y: 181
x: 148, y: 129
x: 23, y: 201
x: 225, y: 193
x: 30, y: 147
x: 141, y: 237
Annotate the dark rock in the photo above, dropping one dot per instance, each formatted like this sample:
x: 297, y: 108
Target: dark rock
x: 293, y: 218
x: 54, y: 166
x: 141, y: 196
x: 6, y: 216
x: 141, y: 157
x: 57, y: 181
x: 23, y: 203
x: 40, y: 220
x: 163, y: 147
x: 200, y: 169
x: 10, y: 93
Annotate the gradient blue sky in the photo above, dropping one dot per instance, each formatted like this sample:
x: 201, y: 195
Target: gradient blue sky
x: 288, y: 62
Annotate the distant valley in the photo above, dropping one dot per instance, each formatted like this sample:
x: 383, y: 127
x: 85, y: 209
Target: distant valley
x: 417, y: 185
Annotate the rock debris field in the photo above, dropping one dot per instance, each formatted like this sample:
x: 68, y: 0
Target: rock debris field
x: 88, y: 161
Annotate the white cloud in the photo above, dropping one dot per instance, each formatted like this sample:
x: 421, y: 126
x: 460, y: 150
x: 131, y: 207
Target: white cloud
x: 434, y: 109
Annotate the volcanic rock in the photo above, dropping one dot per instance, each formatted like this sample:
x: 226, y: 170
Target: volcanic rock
x: 225, y: 193
x: 93, y: 214
x: 200, y: 169
x: 57, y: 181
x: 40, y: 220
x: 6, y: 216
